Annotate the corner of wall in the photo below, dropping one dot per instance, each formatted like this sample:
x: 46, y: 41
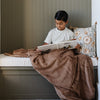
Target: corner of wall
x: 0, y: 26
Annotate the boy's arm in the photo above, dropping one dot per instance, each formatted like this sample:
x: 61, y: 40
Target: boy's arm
x: 45, y: 43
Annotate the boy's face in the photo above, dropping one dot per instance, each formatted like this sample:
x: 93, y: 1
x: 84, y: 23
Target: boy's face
x: 60, y: 24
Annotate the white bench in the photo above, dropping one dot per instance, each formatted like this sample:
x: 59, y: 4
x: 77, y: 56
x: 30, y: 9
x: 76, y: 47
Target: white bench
x: 20, y: 61
x: 19, y: 80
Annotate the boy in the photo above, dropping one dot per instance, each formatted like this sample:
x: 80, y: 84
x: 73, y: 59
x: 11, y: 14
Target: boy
x: 61, y: 33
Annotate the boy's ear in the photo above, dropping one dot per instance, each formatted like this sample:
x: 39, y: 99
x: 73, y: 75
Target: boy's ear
x: 66, y: 21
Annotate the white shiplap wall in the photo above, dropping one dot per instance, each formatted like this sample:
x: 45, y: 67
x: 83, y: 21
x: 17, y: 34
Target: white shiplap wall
x: 96, y: 18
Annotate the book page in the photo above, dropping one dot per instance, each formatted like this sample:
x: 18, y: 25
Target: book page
x: 67, y: 44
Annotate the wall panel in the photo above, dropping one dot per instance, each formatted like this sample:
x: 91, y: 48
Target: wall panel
x: 0, y: 26
x: 25, y: 23
x: 12, y: 24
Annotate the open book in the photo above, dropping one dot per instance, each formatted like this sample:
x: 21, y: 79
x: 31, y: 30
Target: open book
x: 66, y: 44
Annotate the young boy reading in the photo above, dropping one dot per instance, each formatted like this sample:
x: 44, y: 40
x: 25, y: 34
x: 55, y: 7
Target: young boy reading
x: 61, y: 33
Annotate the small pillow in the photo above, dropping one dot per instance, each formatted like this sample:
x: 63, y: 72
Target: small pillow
x: 87, y: 39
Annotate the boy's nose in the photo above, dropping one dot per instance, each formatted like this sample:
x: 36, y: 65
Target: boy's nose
x: 58, y: 25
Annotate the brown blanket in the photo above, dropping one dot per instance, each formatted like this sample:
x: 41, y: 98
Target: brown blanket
x: 71, y: 75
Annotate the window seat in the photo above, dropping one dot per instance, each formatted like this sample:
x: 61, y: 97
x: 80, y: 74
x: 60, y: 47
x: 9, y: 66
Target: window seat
x: 21, y: 61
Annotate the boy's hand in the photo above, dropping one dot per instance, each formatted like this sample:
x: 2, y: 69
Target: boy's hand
x: 37, y: 50
x: 78, y: 47
x: 73, y: 39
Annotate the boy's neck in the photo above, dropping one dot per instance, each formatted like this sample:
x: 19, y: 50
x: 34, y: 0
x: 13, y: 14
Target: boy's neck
x: 61, y: 30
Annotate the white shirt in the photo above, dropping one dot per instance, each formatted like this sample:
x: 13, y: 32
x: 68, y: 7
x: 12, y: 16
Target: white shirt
x: 55, y: 36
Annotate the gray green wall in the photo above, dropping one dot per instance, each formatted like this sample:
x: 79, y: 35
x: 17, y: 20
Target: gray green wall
x: 0, y: 26
x: 12, y: 14
x: 25, y: 23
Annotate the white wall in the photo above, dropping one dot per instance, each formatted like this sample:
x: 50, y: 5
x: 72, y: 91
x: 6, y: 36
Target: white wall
x: 96, y: 17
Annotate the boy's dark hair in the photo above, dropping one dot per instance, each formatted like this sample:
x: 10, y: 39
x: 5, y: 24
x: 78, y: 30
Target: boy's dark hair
x: 61, y: 15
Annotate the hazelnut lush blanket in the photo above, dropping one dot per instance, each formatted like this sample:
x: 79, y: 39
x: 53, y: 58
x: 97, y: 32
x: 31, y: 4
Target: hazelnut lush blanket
x: 71, y: 75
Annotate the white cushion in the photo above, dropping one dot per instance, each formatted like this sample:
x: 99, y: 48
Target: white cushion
x: 21, y: 61
x: 14, y: 61
x: 86, y: 37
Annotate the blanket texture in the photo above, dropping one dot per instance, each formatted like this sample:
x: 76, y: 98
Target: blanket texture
x: 71, y: 75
